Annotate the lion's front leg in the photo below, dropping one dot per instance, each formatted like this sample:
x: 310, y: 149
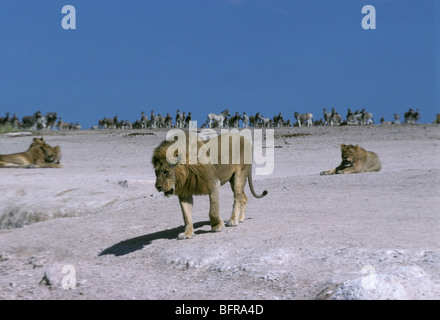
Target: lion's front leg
x: 48, y: 165
x: 44, y: 164
x: 348, y: 170
x: 214, y: 209
x: 331, y: 171
x: 186, y: 203
x: 336, y: 170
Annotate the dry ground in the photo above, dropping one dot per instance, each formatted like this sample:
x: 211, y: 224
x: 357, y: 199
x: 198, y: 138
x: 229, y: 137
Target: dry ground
x: 360, y: 236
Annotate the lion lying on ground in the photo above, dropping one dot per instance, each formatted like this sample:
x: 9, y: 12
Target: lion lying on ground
x: 186, y: 175
x: 355, y: 160
x: 39, y: 155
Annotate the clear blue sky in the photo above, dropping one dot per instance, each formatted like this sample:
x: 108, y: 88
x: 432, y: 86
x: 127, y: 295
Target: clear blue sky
x: 206, y: 55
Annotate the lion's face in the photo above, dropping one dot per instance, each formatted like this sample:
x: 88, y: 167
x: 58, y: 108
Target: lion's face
x: 165, y: 177
x: 349, y: 154
x: 51, y: 154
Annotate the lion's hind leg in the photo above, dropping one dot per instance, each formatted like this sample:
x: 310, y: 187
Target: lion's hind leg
x: 238, y: 209
x: 243, y: 203
x: 4, y: 164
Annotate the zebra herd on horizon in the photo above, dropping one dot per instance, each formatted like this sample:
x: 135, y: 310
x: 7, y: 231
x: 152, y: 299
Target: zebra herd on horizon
x: 37, y: 121
x: 50, y: 120
x: 226, y: 119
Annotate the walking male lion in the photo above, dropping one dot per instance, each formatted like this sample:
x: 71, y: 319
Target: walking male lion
x: 355, y: 160
x: 201, y: 171
x: 39, y: 155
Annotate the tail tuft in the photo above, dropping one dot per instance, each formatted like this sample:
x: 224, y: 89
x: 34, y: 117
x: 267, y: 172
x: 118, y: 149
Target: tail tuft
x: 261, y: 195
x: 251, y: 186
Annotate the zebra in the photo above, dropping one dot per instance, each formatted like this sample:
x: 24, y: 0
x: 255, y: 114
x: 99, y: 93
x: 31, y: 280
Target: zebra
x: 15, y: 123
x: 254, y: 120
x: 354, y: 118
x: 304, y: 117
x: 412, y: 116
x: 234, y: 120
x: 51, y: 118
x: 367, y: 118
x: 144, y: 120
x: 4, y: 120
x: 179, y: 119
x: 327, y: 116
x: 188, y: 119
x: 278, y: 120
x: 218, y: 118
x: 265, y: 122
x: 168, y: 121
x: 245, y: 120
x: 335, y: 118
x: 30, y: 122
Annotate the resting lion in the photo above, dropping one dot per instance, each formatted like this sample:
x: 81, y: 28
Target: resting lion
x: 39, y: 155
x: 355, y: 160
x: 185, y: 175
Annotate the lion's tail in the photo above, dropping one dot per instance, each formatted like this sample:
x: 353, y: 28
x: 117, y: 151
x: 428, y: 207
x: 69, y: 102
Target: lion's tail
x: 251, y: 186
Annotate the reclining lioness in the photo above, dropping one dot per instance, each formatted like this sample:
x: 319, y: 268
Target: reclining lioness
x: 355, y: 160
x: 39, y: 155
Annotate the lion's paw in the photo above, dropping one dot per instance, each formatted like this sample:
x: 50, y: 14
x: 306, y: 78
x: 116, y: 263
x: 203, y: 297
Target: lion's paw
x: 218, y: 227
x: 183, y: 236
x: 231, y: 223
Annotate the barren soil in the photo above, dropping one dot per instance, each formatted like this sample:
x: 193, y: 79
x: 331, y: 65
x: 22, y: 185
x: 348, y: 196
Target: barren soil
x: 360, y: 236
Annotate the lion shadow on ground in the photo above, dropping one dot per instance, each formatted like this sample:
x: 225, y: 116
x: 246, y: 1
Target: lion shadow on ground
x: 134, y: 244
